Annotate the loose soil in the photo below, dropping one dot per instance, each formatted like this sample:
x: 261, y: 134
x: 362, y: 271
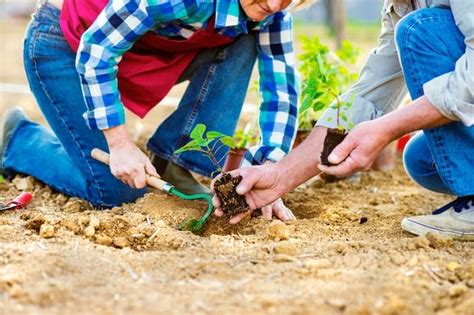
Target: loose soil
x: 333, y: 138
x: 346, y: 254
x: 231, y: 202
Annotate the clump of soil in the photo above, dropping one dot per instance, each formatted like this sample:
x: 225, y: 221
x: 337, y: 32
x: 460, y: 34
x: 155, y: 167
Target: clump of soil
x: 333, y: 138
x: 231, y: 202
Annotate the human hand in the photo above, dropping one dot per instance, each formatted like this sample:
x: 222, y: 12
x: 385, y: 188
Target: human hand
x: 127, y: 162
x: 276, y: 208
x: 262, y: 189
x: 358, y: 150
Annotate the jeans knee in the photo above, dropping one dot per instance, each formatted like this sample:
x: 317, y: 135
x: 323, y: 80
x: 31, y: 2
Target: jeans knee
x: 112, y: 196
x: 405, y: 29
x: 417, y: 157
x: 419, y: 29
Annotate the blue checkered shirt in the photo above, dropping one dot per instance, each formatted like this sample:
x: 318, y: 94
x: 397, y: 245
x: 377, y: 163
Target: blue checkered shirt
x: 123, y: 22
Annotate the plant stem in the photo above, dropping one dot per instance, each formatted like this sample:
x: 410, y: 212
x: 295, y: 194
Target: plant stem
x: 210, y: 154
x: 338, y: 106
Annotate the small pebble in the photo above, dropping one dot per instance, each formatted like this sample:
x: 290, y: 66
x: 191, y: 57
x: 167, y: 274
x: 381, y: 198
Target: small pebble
x: 46, y: 231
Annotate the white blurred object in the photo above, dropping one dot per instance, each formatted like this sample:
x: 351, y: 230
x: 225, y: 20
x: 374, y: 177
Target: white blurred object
x: 16, y: 8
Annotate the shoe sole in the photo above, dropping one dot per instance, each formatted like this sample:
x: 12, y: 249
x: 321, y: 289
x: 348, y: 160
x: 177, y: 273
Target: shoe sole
x: 421, y: 230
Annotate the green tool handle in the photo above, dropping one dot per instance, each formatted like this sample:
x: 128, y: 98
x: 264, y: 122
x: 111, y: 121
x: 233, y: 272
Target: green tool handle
x: 151, y: 181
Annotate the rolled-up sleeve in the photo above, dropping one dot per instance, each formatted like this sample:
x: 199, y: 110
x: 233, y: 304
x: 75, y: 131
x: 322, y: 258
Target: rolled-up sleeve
x: 380, y: 88
x: 453, y: 93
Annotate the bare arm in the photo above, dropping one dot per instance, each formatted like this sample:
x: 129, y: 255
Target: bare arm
x: 360, y: 148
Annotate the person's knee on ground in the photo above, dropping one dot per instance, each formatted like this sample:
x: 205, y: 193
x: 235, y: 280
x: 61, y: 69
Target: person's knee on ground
x: 420, y: 166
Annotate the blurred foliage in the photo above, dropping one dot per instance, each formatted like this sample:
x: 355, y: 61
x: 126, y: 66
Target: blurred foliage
x: 247, y: 137
x: 325, y: 75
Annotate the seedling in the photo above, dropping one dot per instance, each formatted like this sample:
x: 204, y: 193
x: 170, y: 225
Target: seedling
x: 325, y: 75
x: 210, y: 143
x: 335, y: 136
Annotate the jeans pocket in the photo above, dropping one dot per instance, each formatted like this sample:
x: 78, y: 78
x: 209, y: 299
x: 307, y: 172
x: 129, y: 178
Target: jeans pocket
x: 48, y: 42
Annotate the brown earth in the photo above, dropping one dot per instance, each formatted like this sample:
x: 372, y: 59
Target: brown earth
x: 59, y: 256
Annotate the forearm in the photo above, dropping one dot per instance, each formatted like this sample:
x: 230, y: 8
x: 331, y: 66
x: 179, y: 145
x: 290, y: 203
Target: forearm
x: 421, y: 114
x: 117, y: 136
x: 301, y: 164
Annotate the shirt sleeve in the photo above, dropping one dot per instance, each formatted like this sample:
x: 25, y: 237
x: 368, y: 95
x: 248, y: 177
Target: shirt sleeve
x: 453, y: 93
x: 279, y: 85
x: 380, y: 88
x: 114, y: 32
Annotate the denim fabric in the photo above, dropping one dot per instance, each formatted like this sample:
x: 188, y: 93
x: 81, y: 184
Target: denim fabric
x: 219, y: 81
x: 61, y: 157
x: 429, y: 45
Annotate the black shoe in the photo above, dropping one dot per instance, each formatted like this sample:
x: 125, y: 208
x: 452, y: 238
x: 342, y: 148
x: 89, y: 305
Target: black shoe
x: 178, y: 176
x: 10, y: 120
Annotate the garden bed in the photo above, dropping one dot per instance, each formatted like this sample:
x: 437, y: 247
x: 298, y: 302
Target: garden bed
x: 346, y: 253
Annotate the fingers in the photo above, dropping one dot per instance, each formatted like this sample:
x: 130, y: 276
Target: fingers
x: 239, y: 217
x: 267, y: 212
x: 342, y: 151
x: 139, y: 180
x: 250, y: 177
x: 150, y: 169
x: 346, y: 168
x: 216, y: 202
x: 282, y: 212
x: 218, y: 212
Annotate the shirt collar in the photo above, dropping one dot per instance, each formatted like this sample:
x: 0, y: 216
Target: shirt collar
x: 229, y: 14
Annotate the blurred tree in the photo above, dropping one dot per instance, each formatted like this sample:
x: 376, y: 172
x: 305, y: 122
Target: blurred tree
x: 337, y: 19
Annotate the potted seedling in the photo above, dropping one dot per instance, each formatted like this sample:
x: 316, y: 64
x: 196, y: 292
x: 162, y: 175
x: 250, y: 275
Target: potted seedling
x: 325, y: 75
x: 244, y: 138
x: 210, y: 143
x: 336, y: 135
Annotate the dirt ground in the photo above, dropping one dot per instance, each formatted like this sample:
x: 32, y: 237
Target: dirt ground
x: 346, y: 253
x: 59, y: 256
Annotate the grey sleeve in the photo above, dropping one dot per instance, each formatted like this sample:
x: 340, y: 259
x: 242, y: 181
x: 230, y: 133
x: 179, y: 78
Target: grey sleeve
x: 381, y: 86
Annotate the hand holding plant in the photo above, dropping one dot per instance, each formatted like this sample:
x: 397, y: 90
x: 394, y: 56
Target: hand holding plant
x: 210, y: 143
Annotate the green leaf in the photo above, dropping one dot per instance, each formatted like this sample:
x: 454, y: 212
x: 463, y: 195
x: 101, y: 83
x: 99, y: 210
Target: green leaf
x: 187, y: 224
x: 201, y: 142
x: 228, y: 141
x: 214, y: 134
x: 305, y: 105
x: 321, y: 64
x: 318, y: 106
x: 198, y: 132
x: 190, y: 146
x: 1, y: 179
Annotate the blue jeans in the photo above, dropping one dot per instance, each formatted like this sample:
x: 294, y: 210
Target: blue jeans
x: 60, y: 157
x: 440, y: 159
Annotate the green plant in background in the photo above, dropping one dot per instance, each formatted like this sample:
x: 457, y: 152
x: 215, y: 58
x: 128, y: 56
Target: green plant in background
x: 1, y: 179
x: 325, y: 75
x: 247, y: 137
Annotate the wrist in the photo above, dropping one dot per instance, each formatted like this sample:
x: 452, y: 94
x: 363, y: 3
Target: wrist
x: 279, y: 172
x: 389, y: 129
x: 117, y: 137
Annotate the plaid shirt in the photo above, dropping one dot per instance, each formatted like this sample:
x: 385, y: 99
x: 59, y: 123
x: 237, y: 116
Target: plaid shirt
x: 123, y: 22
